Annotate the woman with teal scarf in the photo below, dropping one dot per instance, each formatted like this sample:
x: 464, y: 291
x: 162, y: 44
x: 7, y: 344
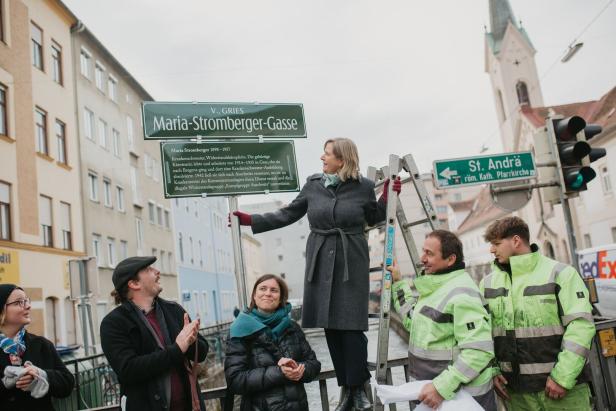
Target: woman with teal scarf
x: 268, y: 359
x: 31, y: 371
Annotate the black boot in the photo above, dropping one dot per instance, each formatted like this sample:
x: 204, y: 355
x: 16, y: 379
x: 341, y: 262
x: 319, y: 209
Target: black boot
x: 345, y: 403
x: 360, y: 399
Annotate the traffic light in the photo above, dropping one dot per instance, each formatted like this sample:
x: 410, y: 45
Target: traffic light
x: 574, y: 152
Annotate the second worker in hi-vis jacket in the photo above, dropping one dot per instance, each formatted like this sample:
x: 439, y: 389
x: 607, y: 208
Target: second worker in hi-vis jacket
x: 450, y: 339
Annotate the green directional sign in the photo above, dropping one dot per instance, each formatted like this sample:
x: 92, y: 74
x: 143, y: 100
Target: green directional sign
x: 228, y: 168
x: 484, y: 169
x: 163, y: 121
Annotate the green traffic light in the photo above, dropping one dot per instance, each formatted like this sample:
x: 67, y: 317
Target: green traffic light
x: 578, y: 182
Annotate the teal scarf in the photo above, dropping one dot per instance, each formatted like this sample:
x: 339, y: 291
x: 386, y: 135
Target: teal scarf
x: 15, y: 346
x: 248, y: 323
x: 331, y: 180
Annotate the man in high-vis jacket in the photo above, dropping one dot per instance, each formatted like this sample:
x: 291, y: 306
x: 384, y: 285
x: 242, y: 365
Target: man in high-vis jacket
x: 541, y: 323
x: 450, y: 341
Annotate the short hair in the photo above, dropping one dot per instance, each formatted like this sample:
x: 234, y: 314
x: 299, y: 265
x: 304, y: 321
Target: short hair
x: 506, y: 228
x: 284, y: 290
x: 450, y: 244
x: 345, y: 149
x: 120, y: 296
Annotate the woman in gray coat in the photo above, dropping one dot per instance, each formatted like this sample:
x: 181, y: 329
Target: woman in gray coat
x: 339, y: 203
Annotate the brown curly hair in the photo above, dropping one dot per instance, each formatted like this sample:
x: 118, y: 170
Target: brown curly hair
x: 506, y: 228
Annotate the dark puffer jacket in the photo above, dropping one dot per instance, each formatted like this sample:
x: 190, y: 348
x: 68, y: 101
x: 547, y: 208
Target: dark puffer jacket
x: 252, y: 371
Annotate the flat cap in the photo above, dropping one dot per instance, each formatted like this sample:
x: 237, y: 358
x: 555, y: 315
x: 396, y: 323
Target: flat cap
x: 128, y: 268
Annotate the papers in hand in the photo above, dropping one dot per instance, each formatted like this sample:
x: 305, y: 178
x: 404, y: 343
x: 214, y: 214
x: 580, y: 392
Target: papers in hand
x: 410, y: 392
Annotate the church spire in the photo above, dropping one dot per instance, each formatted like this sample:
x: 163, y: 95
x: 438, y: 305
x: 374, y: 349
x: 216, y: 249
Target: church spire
x: 500, y: 15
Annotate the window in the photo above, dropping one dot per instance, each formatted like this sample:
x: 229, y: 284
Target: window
x: 152, y: 212
x: 163, y: 262
x: 134, y: 186
x: 102, y: 133
x: 112, y: 88
x: 170, y: 261
x: 280, y: 257
x: 129, y: 133
x: 61, y: 141
x: 200, y: 254
x: 167, y: 220
x: 192, y: 250
x: 99, y: 76
x: 120, y: 198
x: 5, y: 211
x: 96, y: 248
x: 441, y: 209
x: 155, y: 170
x: 613, y: 233
x: 111, y: 254
x: 88, y: 121
x: 1, y: 21
x: 107, y: 192
x: 3, y: 111
x: 93, y: 186
x: 65, y: 226
x: 123, y: 250
x: 522, y: 92
x: 606, y: 183
x: 36, y: 35
x: 84, y: 60
x: 116, y: 142
x: 159, y: 215
x: 139, y: 226
x: 181, y: 247
x: 46, y: 221
x: 155, y: 253
x: 147, y: 160
x: 40, y: 118
x: 56, y: 62
x: 587, y: 241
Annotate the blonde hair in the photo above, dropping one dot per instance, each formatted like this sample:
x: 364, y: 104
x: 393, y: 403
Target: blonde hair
x: 345, y: 149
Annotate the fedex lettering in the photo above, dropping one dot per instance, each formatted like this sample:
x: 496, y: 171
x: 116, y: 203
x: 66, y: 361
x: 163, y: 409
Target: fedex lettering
x: 601, y: 264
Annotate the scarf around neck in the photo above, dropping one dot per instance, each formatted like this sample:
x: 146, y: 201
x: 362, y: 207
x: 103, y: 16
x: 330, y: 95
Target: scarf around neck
x: 248, y: 323
x: 15, y: 346
x: 331, y: 180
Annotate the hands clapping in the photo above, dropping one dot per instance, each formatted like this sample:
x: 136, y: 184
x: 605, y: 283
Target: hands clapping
x: 188, y: 335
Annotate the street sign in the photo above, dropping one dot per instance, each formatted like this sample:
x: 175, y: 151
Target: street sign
x: 163, y: 121
x: 467, y: 171
x: 228, y: 168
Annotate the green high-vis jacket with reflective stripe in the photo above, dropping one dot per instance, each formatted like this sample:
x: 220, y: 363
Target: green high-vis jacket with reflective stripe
x: 541, y: 322
x: 450, y: 341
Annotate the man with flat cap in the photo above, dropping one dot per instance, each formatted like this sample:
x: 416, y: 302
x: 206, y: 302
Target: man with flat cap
x: 150, y: 343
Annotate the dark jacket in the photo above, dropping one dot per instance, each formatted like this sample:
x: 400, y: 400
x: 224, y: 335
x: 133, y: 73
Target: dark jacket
x: 330, y: 301
x: 252, y: 371
x: 141, y: 365
x: 41, y: 353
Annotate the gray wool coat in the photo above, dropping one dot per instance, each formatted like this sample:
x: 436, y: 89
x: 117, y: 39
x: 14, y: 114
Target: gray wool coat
x: 336, y: 286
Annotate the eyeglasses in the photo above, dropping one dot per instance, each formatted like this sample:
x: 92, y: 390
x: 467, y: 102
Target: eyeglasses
x: 22, y: 303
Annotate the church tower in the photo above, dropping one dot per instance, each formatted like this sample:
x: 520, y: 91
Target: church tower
x: 510, y: 61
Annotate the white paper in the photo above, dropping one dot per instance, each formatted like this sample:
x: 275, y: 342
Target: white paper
x: 388, y: 394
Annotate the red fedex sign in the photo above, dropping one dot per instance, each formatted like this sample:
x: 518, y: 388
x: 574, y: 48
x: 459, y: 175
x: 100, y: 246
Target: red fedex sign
x: 599, y: 263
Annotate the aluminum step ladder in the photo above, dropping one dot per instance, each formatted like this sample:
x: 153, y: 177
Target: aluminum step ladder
x: 396, y: 218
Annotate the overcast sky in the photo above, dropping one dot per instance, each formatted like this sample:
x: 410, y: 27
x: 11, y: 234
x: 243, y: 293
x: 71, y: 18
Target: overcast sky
x: 395, y: 76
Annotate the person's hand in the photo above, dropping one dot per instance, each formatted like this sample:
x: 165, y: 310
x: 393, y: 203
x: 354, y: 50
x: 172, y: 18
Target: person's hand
x: 554, y: 390
x: 245, y: 218
x: 188, y: 335
x: 499, y: 386
x: 395, y: 271
x: 26, y: 378
x: 293, y: 374
x: 397, y: 188
x: 430, y: 396
x: 287, y: 362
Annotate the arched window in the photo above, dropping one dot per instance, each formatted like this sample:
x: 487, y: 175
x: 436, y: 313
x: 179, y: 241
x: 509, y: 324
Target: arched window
x: 501, y: 106
x: 52, y: 321
x: 522, y: 91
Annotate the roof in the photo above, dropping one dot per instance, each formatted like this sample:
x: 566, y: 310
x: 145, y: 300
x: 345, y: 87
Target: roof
x: 602, y: 111
x: 501, y: 14
x: 81, y: 28
x: 462, y: 205
x: 483, y: 211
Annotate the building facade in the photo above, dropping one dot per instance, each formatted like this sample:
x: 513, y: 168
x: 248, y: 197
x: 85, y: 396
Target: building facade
x: 205, y: 259
x: 125, y: 212
x: 40, y: 205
